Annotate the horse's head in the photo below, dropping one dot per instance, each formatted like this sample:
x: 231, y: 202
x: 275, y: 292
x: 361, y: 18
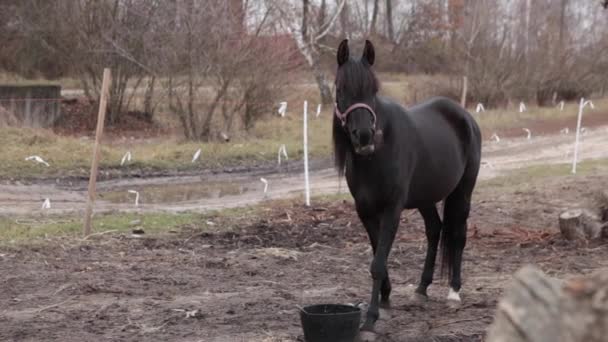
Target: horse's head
x: 356, y: 88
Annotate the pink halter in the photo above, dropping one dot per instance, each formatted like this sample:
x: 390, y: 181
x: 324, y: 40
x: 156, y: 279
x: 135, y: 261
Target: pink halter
x: 343, y: 116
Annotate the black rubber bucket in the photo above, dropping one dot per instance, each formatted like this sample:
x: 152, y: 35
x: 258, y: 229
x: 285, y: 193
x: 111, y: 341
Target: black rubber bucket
x: 330, y: 322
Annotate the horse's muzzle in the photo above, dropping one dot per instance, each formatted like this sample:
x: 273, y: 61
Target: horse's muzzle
x: 365, y: 150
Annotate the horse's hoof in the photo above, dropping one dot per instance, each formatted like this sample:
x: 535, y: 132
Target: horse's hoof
x: 367, y: 336
x: 454, y: 300
x: 419, y: 298
x: 385, y: 314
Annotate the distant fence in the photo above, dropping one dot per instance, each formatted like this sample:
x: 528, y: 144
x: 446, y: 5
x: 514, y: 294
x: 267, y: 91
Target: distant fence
x: 37, y: 106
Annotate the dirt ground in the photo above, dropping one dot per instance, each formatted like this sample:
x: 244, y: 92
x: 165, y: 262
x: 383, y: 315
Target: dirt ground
x: 243, y: 284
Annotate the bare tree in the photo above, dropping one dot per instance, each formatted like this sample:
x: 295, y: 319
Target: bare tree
x: 224, y: 75
x: 309, y: 41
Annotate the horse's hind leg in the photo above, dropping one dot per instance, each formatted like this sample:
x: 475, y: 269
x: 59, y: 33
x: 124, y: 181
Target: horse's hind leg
x: 372, y: 226
x: 455, y: 215
x: 432, y: 224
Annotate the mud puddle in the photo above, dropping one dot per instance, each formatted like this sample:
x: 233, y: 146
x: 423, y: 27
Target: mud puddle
x: 175, y: 193
x: 229, y: 190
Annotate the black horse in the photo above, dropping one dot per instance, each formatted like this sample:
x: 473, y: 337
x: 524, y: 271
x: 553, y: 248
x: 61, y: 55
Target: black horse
x: 396, y: 159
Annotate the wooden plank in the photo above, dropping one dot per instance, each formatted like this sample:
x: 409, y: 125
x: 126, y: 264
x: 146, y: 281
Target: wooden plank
x: 101, y: 116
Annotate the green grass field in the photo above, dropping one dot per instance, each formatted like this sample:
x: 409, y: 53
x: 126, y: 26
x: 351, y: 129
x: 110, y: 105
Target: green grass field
x: 71, y: 155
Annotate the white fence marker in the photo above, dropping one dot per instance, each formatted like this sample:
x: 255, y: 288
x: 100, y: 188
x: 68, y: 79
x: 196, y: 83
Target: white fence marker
x: 495, y: 137
x: 282, y: 108
x: 583, y: 130
x: 564, y: 130
x: 37, y: 159
x: 282, y: 151
x: 581, y: 106
x: 196, y: 155
x: 318, y: 110
x: 529, y: 133
x: 487, y: 164
x: 136, y: 196
x: 125, y: 158
x: 46, y: 204
x: 522, y: 107
x: 561, y: 105
x: 306, y: 180
x: 591, y: 104
x: 480, y: 108
x: 265, y: 181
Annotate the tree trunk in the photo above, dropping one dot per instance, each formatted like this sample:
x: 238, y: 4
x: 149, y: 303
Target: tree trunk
x: 149, y: 94
x: 537, y: 308
x: 372, y: 26
x: 322, y: 14
x: 344, y: 20
x: 324, y: 88
x: 389, y: 21
x: 304, y: 18
x: 562, y: 23
x: 205, y: 132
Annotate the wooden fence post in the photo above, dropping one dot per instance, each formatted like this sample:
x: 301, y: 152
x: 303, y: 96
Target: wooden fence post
x: 101, y: 116
x: 463, y: 98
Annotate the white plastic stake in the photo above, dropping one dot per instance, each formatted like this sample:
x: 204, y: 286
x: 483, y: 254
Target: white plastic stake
x: 581, y: 106
x: 136, y: 196
x: 46, y: 204
x: 196, y: 155
x: 529, y: 133
x: 306, y: 180
x: 561, y: 105
x: 487, y: 164
x: 480, y: 108
x: 318, y: 110
x: 522, y: 107
x: 282, y: 108
x: 282, y: 151
x: 495, y: 137
x: 125, y: 158
x: 564, y: 130
x: 37, y: 159
x: 265, y: 181
x: 583, y: 130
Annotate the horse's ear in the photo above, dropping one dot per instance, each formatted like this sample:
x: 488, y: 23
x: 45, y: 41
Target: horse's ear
x: 369, y: 55
x: 343, y: 52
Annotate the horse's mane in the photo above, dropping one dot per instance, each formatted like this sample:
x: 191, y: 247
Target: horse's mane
x: 354, y: 79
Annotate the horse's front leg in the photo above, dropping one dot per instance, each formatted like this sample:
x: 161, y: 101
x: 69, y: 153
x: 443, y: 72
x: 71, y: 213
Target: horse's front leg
x: 389, y: 222
x: 371, y: 223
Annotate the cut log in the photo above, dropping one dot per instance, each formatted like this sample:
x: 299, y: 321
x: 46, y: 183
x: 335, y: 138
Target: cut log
x: 578, y: 224
x: 602, y: 204
x: 536, y: 308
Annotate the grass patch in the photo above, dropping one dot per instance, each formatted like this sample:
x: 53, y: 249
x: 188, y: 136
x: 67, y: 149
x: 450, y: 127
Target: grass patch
x: 38, y: 228
x: 11, y: 78
x: 530, y: 174
x: 495, y: 119
x: 70, y: 156
x: 14, y: 230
